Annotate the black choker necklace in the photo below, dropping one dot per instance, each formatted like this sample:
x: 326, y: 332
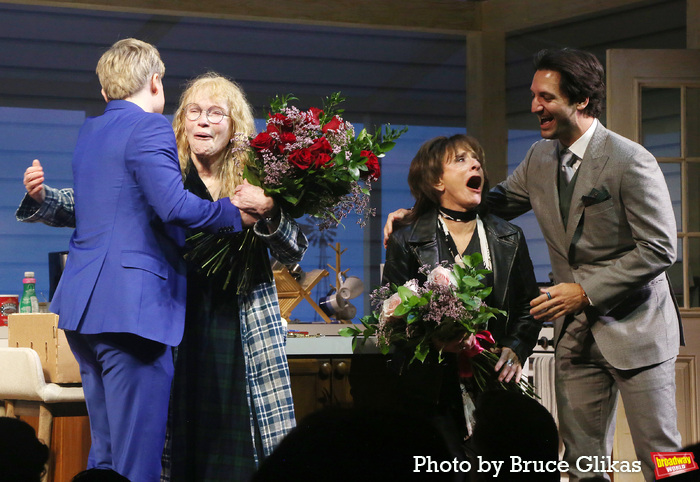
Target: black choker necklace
x: 459, y: 216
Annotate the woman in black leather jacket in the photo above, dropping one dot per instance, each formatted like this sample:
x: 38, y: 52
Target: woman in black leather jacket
x: 449, y: 220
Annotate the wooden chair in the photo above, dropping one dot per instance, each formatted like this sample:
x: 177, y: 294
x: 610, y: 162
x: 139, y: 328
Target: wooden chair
x: 26, y: 393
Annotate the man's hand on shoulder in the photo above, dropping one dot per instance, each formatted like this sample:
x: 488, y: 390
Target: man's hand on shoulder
x: 389, y: 226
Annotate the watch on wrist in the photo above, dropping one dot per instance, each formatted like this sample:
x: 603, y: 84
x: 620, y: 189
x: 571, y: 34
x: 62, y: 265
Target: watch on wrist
x: 274, y: 217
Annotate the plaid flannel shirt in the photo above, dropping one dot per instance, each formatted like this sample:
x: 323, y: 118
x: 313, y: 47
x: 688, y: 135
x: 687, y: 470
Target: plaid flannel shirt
x: 58, y: 208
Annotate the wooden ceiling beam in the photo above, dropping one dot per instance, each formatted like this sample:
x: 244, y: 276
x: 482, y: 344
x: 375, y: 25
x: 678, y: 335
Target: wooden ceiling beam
x: 519, y: 15
x: 444, y: 16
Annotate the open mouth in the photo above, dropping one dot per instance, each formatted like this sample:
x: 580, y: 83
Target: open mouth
x: 202, y: 136
x: 545, y: 119
x: 474, y: 182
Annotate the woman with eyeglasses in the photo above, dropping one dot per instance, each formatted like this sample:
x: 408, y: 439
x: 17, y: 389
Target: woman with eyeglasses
x: 231, y: 401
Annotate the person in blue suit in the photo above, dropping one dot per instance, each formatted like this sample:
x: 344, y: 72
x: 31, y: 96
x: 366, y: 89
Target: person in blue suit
x: 121, y: 298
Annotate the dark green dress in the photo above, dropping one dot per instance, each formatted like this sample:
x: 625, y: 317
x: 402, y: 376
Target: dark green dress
x: 210, y: 414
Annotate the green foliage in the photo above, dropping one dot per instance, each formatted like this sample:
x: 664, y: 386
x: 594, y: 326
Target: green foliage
x: 411, y: 327
x: 279, y: 102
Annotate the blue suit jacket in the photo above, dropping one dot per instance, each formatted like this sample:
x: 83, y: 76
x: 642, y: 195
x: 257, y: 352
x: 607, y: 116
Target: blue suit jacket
x: 125, y: 271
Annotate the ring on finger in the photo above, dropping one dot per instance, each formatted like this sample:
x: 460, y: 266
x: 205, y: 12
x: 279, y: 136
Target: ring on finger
x: 549, y: 296
x: 510, y: 362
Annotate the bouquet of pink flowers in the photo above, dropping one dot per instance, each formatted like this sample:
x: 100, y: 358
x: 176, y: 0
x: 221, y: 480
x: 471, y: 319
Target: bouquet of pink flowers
x: 312, y: 163
x: 448, y: 307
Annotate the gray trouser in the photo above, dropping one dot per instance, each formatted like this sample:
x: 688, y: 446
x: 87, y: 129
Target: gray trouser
x: 587, y: 387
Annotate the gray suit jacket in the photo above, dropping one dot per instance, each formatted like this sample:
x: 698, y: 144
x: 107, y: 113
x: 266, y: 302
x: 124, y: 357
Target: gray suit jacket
x: 619, y: 241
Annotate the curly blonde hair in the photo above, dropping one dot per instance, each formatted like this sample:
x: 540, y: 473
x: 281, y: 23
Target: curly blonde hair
x: 227, y: 92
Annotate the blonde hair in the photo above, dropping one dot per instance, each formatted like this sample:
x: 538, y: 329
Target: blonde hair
x: 125, y: 68
x: 235, y: 158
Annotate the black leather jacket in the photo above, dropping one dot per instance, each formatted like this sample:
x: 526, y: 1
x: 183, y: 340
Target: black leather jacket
x: 514, y: 282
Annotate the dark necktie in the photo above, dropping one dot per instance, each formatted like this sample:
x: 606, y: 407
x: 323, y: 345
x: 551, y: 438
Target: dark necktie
x: 567, y: 161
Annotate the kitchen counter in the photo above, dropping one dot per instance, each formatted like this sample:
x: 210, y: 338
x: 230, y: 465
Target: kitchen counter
x: 323, y: 339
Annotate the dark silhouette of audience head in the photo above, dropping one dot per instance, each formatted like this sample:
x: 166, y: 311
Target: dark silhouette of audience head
x: 358, y: 445
x: 22, y: 456
x: 509, y: 424
x: 99, y: 475
x: 693, y: 475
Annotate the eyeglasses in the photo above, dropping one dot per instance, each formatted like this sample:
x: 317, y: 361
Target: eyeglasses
x: 214, y: 115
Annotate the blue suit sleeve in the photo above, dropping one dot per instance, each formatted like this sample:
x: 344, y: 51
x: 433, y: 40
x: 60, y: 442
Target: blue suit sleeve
x: 151, y: 158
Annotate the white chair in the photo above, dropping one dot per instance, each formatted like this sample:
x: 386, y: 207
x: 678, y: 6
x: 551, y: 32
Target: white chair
x: 26, y: 393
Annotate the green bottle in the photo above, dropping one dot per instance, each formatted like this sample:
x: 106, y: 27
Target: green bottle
x: 29, y: 303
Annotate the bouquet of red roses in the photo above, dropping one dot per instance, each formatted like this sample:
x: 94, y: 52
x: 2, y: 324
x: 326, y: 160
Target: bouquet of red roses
x: 312, y: 162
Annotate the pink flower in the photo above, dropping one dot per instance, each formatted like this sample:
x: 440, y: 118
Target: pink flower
x: 390, y: 305
x: 473, y: 347
x: 442, y: 276
x: 476, y: 343
x: 412, y: 285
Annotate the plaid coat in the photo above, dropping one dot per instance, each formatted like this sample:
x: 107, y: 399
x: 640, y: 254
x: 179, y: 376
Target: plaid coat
x: 264, y: 340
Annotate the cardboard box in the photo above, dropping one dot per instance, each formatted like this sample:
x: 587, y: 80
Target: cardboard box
x: 40, y: 331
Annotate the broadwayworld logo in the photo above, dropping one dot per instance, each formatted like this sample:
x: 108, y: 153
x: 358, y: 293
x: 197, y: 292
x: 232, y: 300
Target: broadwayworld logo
x: 667, y: 464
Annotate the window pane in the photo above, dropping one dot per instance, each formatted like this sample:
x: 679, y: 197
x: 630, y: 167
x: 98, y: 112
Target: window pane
x: 672, y: 173
x: 661, y: 121
x: 692, y: 125
x: 694, y: 272
x: 675, y: 274
x: 693, y: 196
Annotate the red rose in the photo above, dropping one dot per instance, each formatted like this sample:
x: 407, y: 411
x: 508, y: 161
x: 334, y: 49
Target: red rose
x: 287, y: 138
x: 373, y: 169
x: 302, y: 158
x: 322, y: 160
x: 263, y: 141
x: 282, y: 122
x: 321, y: 151
x: 316, y: 113
x: 321, y: 145
x: 334, y: 124
x: 272, y: 128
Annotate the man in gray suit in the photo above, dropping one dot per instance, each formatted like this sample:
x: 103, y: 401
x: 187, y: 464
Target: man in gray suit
x: 606, y: 214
